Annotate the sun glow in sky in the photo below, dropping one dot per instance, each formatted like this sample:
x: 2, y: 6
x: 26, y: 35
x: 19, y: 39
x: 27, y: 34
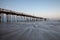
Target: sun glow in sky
x: 41, y: 8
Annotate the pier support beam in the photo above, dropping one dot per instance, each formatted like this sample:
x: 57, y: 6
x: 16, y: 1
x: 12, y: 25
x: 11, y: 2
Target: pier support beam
x: 3, y: 17
x: 9, y: 18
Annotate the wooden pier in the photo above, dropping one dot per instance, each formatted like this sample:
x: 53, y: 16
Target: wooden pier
x: 13, y: 16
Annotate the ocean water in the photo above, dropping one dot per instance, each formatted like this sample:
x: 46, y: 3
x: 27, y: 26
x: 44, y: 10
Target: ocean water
x: 40, y: 30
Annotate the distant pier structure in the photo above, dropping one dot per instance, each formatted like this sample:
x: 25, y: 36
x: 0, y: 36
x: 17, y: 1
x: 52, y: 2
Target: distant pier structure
x: 12, y: 16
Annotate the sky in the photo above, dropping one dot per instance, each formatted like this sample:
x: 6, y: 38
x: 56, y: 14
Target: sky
x: 41, y: 8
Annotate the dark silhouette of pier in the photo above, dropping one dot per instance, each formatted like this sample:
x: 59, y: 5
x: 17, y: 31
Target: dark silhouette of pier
x: 10, y: 12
